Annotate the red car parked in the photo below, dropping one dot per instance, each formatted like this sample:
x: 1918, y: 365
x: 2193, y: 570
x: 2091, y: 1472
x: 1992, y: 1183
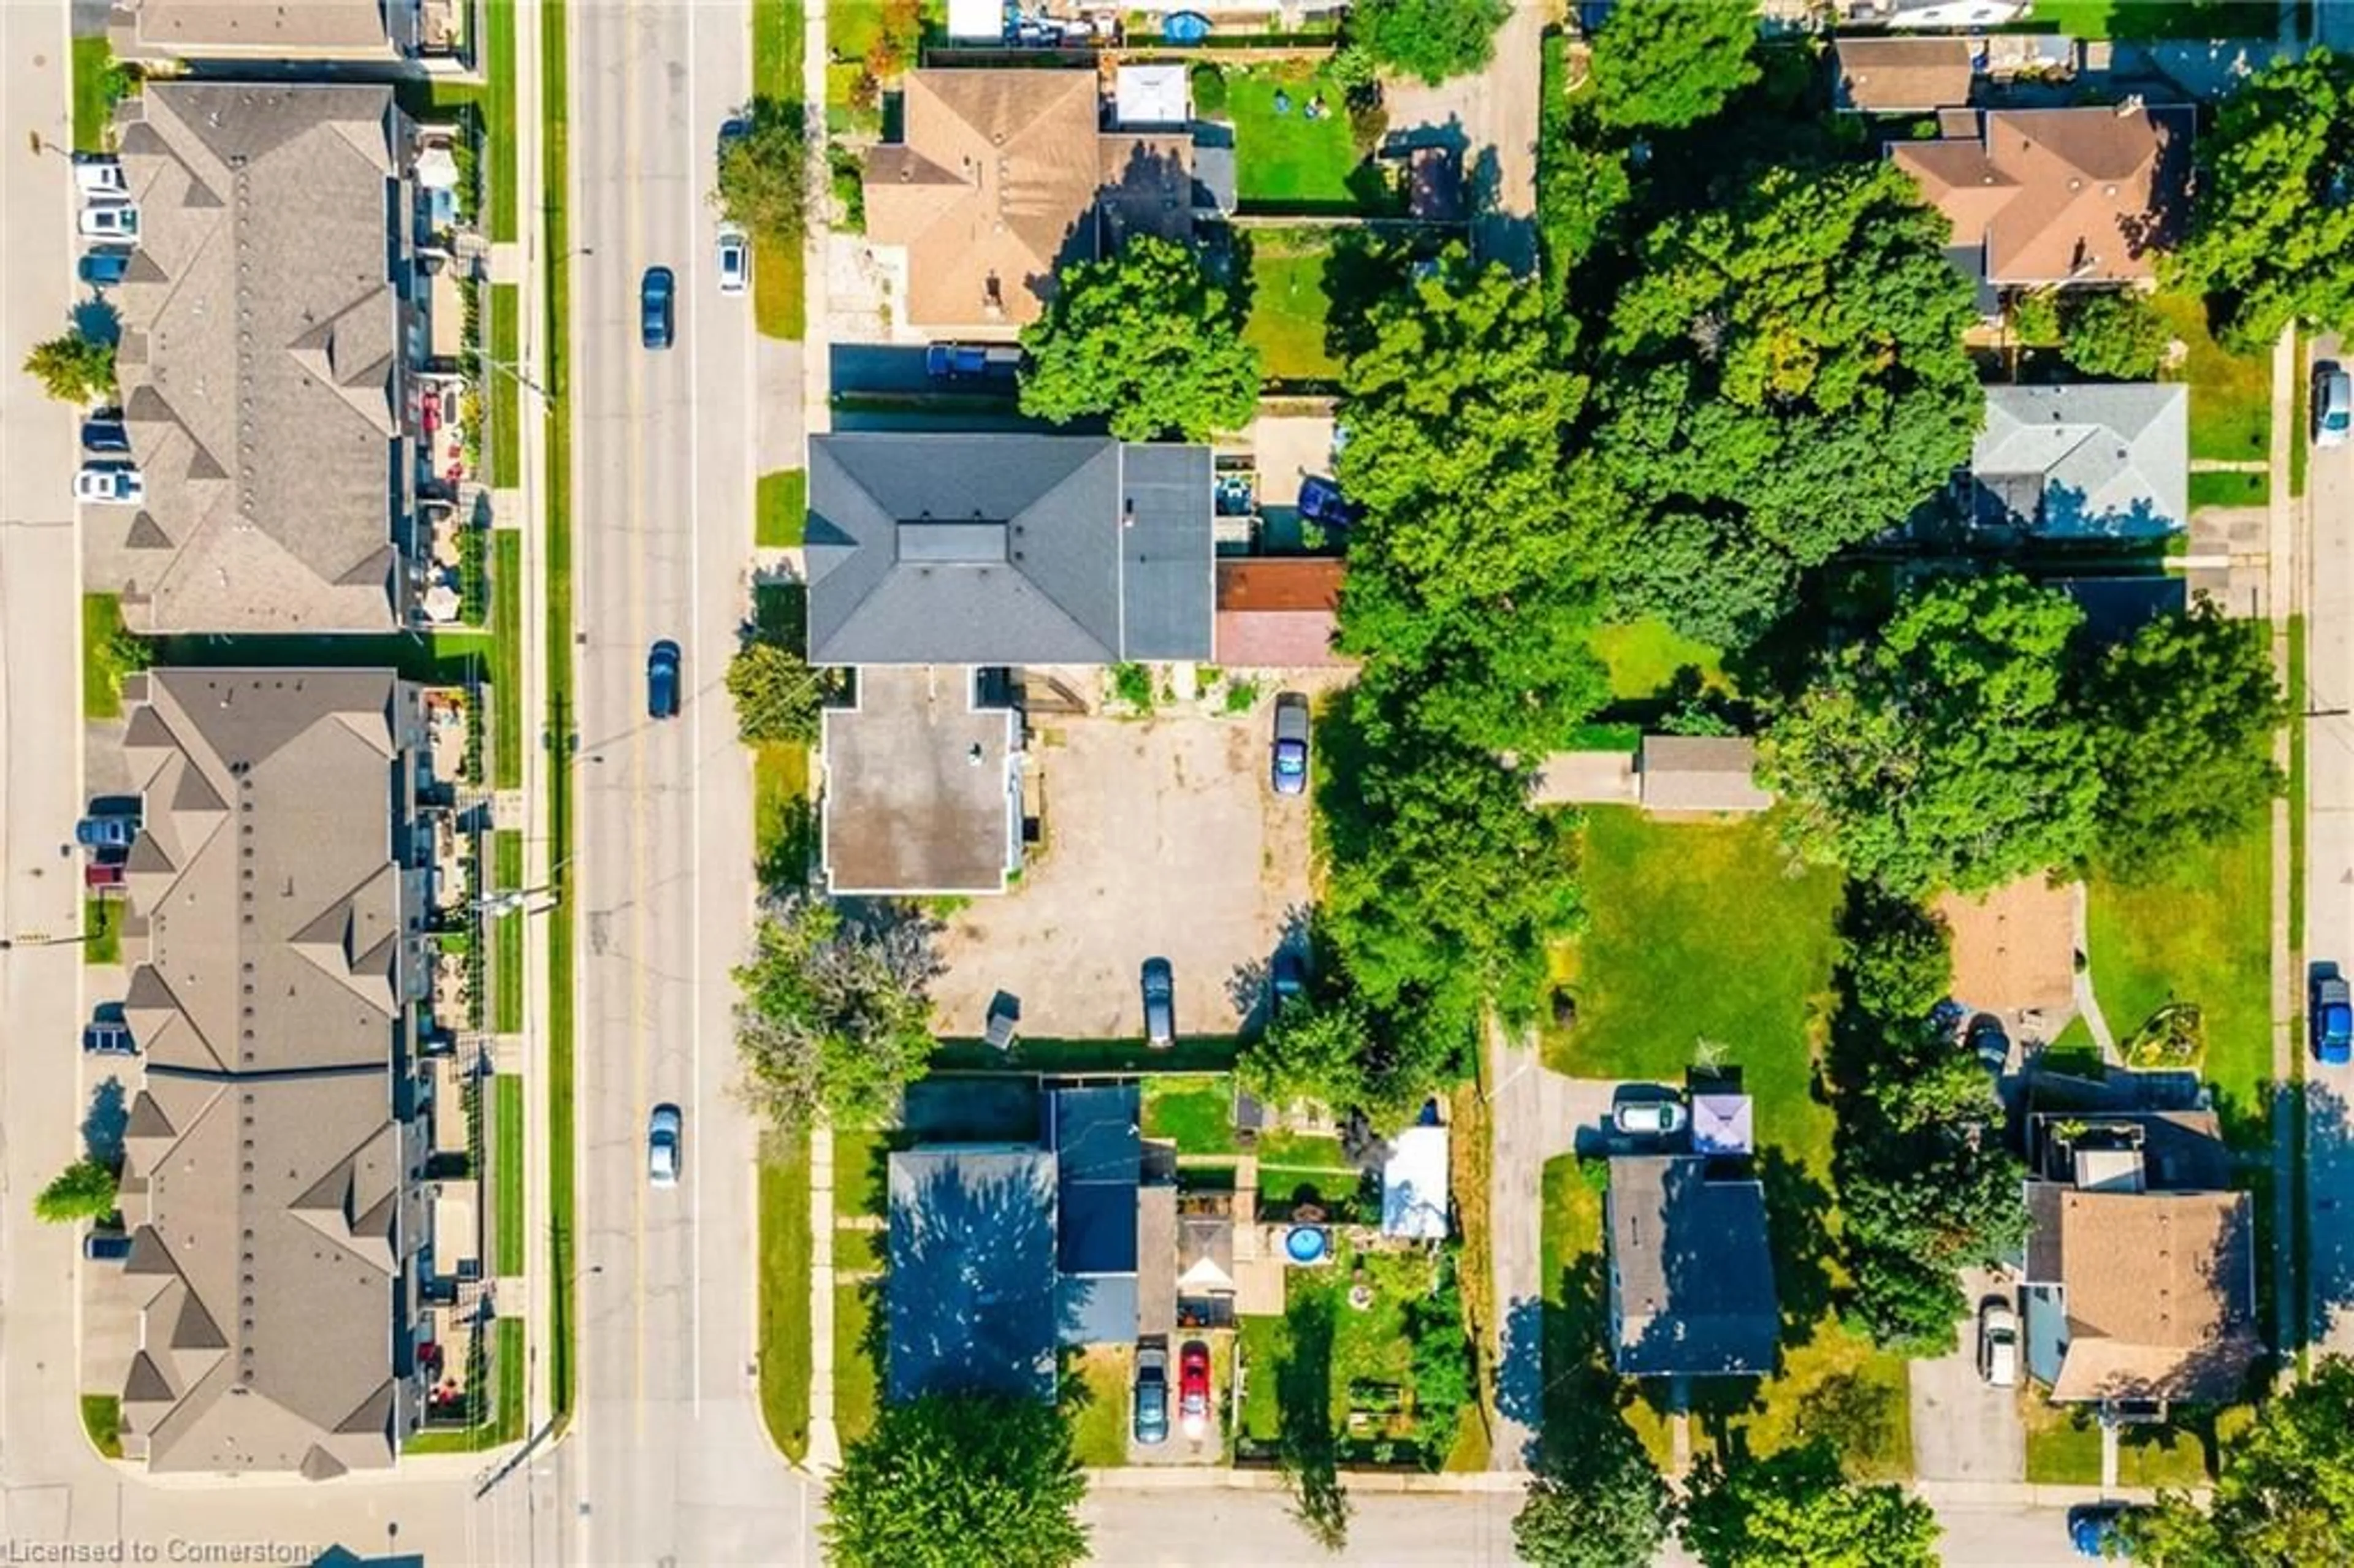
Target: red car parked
x: 1194, y: 1387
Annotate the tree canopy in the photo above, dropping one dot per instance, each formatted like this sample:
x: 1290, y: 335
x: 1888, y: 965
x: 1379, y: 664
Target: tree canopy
x: 73, y: 368
x: 1924, y: 1190
x: 1667, y: 64
x: 2115, y: 334
x: 1946, y: 752
x: 1433, y: 39
x: 1782, y: 377
x: 833, y: 1013
x: 1601, y: 1504
x: 84, y: 1190
x: 2284, y: 1494
x: 1147, y: 338
x: 778, y: 695
x: 2182, y: 721
x: 2271, y: 225
x: 763, y: 185
x: 1795, y: 1507
x: 959, y: 1481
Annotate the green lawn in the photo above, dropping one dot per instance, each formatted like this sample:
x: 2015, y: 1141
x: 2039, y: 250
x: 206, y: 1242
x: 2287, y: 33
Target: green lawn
x: 2140, y: 19
x: 2203, y: 935
x: 1290, y: 305
x: 2064, y: 1447
x: 1288, y: 160
x: 101, y: 924
x: 506, y: 659
x: 1095, y: 1396
x: 779, y: 308
x: 1263, y: 1341
x: 784, y: 825
x: 860, y: 1175
x: 102, y: 669
x: 1700, y: 933
x: 102, y: 1417
x: 780, y: 508
x: 785, y: 1249
x: 1645, y: 657
x: 507, y: 1144
x: 2229, y: 489
x: 556, y: 629
x: 857, y: 1379
x: 507, y: 931
x: 506, y: 433
x: 93, y: 61
x: 2231, y: 395
x: 499, y: 121
x: 1195, y: 1113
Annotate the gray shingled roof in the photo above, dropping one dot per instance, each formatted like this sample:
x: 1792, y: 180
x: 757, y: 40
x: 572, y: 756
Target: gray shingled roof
x: 2085, y: 460
x: 971, y: 1292
x: 1691, y: 1279
x: 261, y: 361
x: 263, y: 1171
x: 1007, y: 549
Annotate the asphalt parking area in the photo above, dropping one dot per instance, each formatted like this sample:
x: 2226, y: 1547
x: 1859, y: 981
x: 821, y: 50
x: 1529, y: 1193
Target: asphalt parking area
x: 1163, y: 839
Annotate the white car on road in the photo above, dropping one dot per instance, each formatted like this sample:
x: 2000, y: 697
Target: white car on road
x: 110, y: 484
x: 735, y: 261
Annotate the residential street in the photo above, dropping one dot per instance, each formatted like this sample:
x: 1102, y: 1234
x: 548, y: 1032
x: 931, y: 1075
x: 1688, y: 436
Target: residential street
x: 2329, y: 872
x: 667, y: 1462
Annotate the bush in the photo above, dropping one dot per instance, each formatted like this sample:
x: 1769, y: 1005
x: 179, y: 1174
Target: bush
x: 74, y: 368
x: 1132, y: 685
x: 849, y: 187
x: 1209, y: 91
x: 2035, y: 319
x: 2115, y: 334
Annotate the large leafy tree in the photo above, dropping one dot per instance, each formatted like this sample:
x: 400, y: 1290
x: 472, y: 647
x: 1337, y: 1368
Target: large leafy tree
x: 84, y: 1190
x: 1795, y: 1507
x: 73, y: 368
x: 1456, y: 410
x: 2285, y: 1492
x: 833, y: 1013
x: 956, y: 1481
x: 2182, y: 720
x: 763, y: 185
x: 1148, y: 339
x: 1946, y: 752
x: 1783, y: 376
x: 1601, y: 1504
x: 778, y: 695
x: 2117, y: 334
x: 1925, y: 1189
x: 1667, y: 64
x: 1433, y: 39
x: 2272, y: 229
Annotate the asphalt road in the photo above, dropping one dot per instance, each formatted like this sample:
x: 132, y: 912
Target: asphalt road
x: 667, y: 1463
x: 2329, y: 873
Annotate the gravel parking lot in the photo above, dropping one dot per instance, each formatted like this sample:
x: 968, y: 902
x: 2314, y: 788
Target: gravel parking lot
x: 1163, y: 839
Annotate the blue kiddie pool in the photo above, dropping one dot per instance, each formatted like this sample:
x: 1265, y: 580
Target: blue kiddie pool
x: 1307, y: 1243
x: 1185, y: 27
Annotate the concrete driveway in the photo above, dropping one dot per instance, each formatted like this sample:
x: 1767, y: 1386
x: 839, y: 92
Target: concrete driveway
x: 1162, y: 839
x: 1963, y: 1430
x: 1492, y: 118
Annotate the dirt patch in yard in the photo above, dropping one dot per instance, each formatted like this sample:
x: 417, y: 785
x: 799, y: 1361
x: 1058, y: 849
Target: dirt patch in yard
x: 1163, y: 839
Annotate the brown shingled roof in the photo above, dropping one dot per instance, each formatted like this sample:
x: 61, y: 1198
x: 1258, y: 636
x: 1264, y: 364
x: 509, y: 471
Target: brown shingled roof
x: 2083, y: 195
x: 1886, y: 76
x: 995, y: 188
x: 2161, y: 1293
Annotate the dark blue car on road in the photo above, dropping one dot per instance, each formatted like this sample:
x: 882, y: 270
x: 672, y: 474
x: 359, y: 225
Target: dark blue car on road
x: 655, y: 308
x: 661, y: 680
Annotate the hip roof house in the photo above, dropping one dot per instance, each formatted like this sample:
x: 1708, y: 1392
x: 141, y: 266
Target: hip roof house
x: 1003, y: 179
x: 934, y: 558
x: 2040, y: 197
x: 1691, y: 1279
